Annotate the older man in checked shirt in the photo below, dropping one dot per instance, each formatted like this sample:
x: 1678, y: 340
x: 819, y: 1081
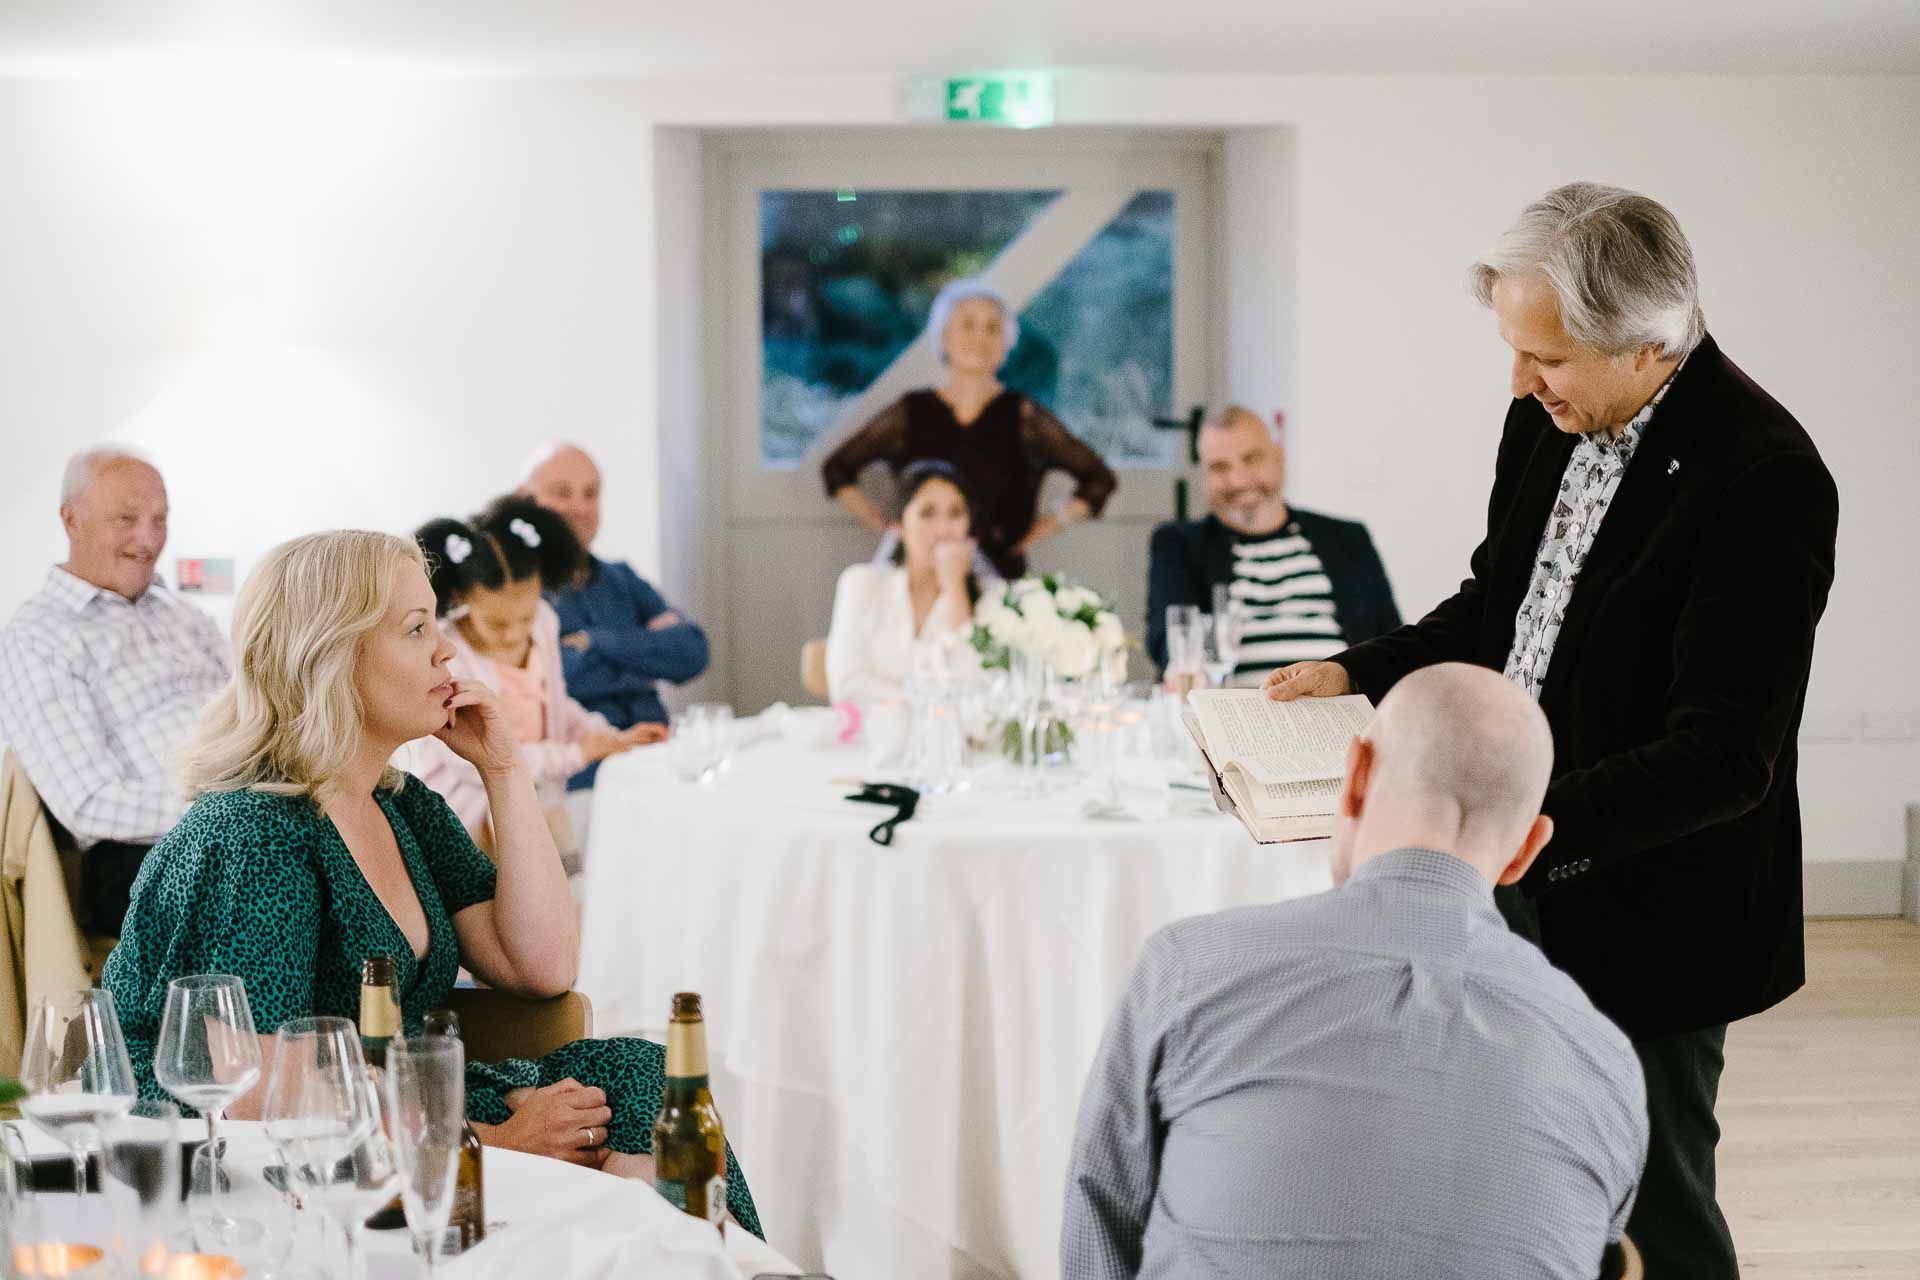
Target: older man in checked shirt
x: 102, y: 675
x: 1377, y: 1083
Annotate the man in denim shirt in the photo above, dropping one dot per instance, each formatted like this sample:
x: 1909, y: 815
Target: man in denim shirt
x: 619, y: 637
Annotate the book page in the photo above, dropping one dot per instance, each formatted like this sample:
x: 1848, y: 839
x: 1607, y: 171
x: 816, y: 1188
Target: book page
x: 1275, y: 743
x: 1282, y: 800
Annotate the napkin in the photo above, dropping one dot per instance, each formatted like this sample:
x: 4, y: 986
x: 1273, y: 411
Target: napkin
x: 615, y: 1231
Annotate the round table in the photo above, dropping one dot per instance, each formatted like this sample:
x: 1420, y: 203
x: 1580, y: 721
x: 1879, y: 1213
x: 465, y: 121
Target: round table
x: 899, y: 1034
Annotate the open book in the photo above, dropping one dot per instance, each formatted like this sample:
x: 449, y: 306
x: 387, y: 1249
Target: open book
x: 1276, y: 766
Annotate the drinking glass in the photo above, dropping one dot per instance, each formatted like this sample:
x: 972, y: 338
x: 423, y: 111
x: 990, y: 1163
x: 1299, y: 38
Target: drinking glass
x: 696, y: 748
x: 1186, y: 647
x: 140, y: 1180
x: 426, y: 1102
x: 76, y: 1072
x: 718, y: 717
x: 355, y: 1186
x: 208, y: 1054
x: 316, y: 1108
x: 1225, y: 637
x: 219, y: 1195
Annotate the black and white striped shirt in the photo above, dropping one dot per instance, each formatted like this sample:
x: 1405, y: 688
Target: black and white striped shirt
x: 1282, y: 585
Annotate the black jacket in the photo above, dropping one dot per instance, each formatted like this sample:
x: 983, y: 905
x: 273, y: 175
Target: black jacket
x: 1671, y: 890
x: 1186, y: 559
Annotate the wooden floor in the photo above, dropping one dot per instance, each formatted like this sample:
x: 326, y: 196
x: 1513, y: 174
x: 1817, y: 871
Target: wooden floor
x: 1820, y: 1114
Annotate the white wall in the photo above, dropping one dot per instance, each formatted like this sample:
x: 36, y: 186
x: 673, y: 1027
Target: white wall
x: 323, y: 302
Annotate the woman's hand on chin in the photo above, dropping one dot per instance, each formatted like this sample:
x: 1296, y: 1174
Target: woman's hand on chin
x: 477, y: 730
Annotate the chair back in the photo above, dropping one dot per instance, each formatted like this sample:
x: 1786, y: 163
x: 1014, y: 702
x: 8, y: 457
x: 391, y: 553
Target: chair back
x: 496, y: 1024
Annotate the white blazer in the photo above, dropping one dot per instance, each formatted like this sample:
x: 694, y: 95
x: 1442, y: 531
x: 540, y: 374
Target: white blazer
x: 871, y: 643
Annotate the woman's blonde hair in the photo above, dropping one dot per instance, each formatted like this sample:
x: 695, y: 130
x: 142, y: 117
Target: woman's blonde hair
x: 289, y: 721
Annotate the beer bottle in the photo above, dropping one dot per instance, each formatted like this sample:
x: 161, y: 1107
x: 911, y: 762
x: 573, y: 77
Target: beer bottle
x: 379, y: 1010
x: 689, y: 1146
x: 379, y: 1024
x: 469, y: 1218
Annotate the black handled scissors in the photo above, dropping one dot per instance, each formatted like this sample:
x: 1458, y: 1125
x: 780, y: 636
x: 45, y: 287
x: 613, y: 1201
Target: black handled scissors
x: 904, y: 800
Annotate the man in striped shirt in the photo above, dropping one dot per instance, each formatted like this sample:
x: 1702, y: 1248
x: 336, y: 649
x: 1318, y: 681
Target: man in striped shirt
x: 1306, y: 584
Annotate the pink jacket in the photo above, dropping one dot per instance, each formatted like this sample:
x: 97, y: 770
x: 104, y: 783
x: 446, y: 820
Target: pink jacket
x: 553, y: 760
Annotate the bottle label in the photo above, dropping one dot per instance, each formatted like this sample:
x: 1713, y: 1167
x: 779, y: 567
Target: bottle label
x: 379, y: 1013
x: 716, y: 1198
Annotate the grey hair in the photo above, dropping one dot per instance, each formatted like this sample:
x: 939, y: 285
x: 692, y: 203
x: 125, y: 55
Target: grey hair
x: 1617, y: 261
x: 1238, y: 414
x: 85, y: 466
x: 952, y: 295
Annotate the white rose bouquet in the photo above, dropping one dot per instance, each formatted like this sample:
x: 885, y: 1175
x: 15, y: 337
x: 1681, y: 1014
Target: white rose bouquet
x: 1067, y: 626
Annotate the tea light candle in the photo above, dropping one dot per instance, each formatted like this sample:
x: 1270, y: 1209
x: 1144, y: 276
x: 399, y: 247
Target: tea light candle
x: 203, y: 1266
x: 54, y: 1259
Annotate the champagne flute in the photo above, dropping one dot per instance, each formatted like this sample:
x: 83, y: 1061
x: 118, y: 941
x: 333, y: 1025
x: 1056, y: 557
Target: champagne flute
x: 426, y: 1101
x: 208, y: 1056
x: 76, y: 1072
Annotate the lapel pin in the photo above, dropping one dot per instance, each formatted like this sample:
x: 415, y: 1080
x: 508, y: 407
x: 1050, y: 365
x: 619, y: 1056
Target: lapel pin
x: 1673, y: 465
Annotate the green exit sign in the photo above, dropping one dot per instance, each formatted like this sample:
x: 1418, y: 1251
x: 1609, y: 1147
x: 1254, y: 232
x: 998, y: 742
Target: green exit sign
x: 1023, y: 100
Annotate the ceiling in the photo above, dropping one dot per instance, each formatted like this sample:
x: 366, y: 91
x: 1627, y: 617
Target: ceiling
x: 790, y: 36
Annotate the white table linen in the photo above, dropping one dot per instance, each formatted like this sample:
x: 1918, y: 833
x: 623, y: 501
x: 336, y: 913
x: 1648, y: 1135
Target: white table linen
x: 900, y: 1035
x: 546, y: 1218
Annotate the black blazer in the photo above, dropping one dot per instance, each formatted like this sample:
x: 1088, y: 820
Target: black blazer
x: 1186, y: 559
x: 1671, y: 889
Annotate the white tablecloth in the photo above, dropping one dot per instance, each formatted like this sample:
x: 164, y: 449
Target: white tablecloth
x: 900, y: 1035
x: 546, y: 1218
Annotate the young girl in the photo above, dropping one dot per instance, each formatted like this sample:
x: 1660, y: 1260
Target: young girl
x: 487, y: 578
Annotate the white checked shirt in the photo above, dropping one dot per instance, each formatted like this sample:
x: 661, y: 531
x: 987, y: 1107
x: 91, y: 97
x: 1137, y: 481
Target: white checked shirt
x: 98, y: 694
x: 1587, y: 487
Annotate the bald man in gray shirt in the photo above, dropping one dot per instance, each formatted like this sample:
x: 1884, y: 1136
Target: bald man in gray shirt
x: 1379, y: 1081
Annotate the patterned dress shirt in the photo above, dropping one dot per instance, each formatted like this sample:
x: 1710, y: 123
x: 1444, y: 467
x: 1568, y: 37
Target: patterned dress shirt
x: 1587, y: 487
x: 1380, y: 1081
x: 98, y: 694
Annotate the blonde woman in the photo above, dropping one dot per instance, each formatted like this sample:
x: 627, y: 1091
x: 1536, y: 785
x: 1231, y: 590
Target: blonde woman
x: 303, y: 852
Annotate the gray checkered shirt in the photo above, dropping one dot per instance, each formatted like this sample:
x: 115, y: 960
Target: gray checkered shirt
x: 1376, y: 1083
x: 98, y: 694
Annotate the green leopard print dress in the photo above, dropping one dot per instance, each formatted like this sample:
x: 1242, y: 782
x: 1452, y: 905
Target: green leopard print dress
x: 262, y: 886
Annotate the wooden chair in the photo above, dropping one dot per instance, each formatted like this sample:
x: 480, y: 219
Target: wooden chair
x: 497, y: 1024
x: 813, y: 668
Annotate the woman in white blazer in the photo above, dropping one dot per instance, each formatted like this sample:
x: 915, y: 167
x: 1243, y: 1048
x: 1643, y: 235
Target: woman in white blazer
x: 883, y: 613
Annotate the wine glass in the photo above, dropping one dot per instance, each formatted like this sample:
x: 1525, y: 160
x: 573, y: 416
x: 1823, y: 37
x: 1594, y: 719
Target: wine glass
x: 315, y: 1109
x: 1224, y: 635
x: 76, y: 1072
x: 218, y: 1196
x: 718, y: 717
x: 361, y: 1182
x: 208, y: 1054
x: 690, y: 748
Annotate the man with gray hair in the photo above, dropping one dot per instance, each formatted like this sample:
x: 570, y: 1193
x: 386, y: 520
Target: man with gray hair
x: 1658, y: 552
x: 102, y: 674
x: 1378, y: 1081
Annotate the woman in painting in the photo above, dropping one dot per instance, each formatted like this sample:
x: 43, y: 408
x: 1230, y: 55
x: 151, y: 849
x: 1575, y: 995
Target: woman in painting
x: 1002, y: 443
